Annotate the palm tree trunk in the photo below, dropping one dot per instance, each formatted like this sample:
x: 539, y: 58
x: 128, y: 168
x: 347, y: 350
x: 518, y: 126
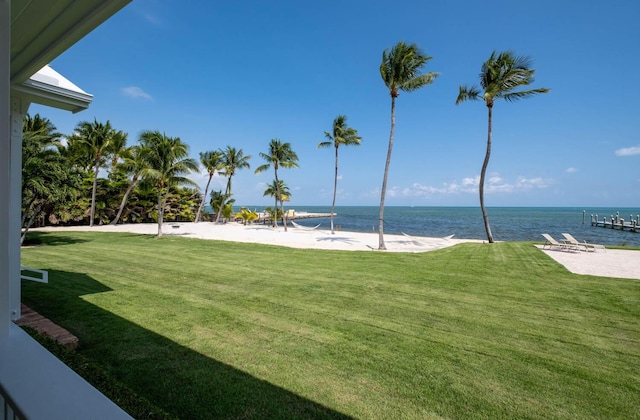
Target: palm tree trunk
x: 26, y: 228
x: 160, y: 212
x: 224, y: 198
x: 381, y: 245
x: 335, y: 189
x: 275, y: 211
x: 134, y: 180
x: 279, y: 195
x: 485, y: 216
x: 92, y: 211
x: 206, y: 190
x: 26, y: 209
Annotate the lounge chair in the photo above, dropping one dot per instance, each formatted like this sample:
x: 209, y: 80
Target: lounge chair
x: 569, y: 239
x: 551, y: 242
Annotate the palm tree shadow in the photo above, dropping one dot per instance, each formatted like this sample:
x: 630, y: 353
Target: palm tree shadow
x: 343, y: 239
x: 131, y: 351
x: 50, y: 239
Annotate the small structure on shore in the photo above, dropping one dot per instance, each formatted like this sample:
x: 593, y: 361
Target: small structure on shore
x: 617, y: 222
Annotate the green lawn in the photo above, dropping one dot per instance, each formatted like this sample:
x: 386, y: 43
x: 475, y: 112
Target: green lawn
x: 208, y: 329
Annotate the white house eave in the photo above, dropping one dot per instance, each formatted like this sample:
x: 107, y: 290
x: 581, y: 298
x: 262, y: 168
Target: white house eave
x: 50, y: 88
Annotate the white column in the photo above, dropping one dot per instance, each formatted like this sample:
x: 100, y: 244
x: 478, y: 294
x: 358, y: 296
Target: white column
x: 19, y: 109
x: 5, y: 164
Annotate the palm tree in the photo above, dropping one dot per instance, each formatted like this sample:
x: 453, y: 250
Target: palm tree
x: 95, y: 138
x: 400, y: 70
x: 133, y: 163
x: 47, y: 177
x: 280, y: 191
x: 500, y: 75
x: 116, y: 148
x: 167, y: 164
x: 341, y: 135
x: 212, y: 162
x: 279, y: 155
x: 246, y: 215
x: 232, y: 160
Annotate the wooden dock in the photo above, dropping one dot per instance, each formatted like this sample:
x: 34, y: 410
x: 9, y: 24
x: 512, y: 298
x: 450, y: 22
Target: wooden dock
x: 616, y: 222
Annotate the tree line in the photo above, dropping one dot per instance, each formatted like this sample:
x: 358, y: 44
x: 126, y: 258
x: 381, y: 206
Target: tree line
x: 149, y: 181
x: 62, y: 180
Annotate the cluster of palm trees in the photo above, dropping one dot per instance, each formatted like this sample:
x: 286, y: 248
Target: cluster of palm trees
x: 57, y: 170
x: 54, y: 174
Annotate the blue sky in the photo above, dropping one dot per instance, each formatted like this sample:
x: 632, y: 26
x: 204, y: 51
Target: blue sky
x: 239, y: 73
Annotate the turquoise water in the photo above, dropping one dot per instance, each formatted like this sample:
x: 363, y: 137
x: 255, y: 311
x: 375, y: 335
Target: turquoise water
x: 507, y: 223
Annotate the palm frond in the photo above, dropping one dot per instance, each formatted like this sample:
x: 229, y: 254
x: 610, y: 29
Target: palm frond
x: 514, y: 96
x: 418, y: 82
x: 467, y: 93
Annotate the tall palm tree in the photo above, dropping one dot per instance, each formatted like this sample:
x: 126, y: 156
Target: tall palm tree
x: 279, y: 155
x: 232, y: 160
x: 500, y: 75
x: 95, y: 137
x: 167, y: 164
x: 340, y: 135
x: 133, y: 163
x: 401, y: 69
x: 280, y: 192
x: 212, y: 162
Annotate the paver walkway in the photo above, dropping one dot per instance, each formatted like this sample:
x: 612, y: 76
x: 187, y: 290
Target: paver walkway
x: 44, y: 326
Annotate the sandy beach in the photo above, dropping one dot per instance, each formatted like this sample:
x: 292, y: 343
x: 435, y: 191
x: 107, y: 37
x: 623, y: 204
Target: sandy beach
x: 605, y: 263
x: 293, y: 237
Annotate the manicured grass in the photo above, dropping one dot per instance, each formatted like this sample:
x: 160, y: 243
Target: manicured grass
x: 208, y: 329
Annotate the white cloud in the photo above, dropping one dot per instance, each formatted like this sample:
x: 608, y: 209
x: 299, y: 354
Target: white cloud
x: 136, y: 93
x: 469, y: 185
x: 628, y: 151
x: 471, y: 182
x: 571, y: 170
x: 154, y: 20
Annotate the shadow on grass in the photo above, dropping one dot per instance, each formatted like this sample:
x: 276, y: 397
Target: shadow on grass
x: 49, y: 239
x: 179, y: 380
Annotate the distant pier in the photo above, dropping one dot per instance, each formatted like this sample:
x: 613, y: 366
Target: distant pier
x: 632, y: 224
x: 265, y: 217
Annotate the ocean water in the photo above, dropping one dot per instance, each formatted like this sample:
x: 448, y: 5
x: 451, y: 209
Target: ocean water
x: 507, y: 223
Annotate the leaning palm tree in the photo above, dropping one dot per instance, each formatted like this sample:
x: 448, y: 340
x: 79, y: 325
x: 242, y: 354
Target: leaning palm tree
x: 133, y: 164
x: 167, y: 164
x: 232, y: 160
x: 279, y: 155
x: 340, y: 135
x: 500, y: 75
x: 95, y: 138
x: 212, y: 162
x: 400, y: 70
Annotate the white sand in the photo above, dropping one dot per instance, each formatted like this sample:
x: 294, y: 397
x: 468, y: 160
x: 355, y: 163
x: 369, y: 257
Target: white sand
x: 605, y: 263
x: 293, y: 238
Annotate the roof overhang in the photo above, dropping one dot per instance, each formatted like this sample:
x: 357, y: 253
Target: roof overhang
x: 41, y: 30
x: 50, y: 88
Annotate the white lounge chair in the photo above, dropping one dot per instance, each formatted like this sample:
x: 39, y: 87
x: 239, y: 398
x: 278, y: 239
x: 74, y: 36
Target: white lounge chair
x: 551, y: 242
x: 569, y: 239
